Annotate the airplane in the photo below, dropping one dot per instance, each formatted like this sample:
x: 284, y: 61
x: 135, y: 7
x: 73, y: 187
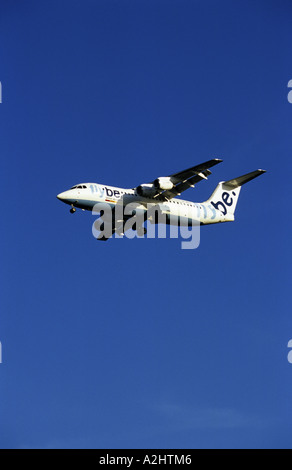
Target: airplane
x: 161, y: 194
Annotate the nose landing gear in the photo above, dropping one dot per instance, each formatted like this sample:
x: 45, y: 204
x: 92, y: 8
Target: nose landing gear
x: 72, y: 210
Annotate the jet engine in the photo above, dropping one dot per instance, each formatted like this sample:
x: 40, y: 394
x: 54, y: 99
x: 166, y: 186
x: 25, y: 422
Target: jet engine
x: 146, y: 190
x: 164, y: 183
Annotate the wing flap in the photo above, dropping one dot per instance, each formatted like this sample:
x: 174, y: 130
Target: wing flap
x: 194, y: 170
x: 186, y: 179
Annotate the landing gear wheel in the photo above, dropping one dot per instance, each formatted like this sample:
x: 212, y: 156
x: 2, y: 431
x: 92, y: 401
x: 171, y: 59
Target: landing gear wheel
x: 72, y: 210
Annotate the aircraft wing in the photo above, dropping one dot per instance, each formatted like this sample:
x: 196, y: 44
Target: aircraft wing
x: 186, y: 179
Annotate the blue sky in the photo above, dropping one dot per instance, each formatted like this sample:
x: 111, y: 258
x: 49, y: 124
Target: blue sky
x: 137, y: 343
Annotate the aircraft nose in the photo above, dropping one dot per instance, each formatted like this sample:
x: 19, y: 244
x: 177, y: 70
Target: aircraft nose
x: 61, y: 196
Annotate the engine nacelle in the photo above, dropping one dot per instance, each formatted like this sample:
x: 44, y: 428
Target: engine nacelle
x: 163, y: 183
x: 146, y: 190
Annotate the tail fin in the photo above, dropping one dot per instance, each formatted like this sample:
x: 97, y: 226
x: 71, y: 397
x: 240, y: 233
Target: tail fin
x: 226, y: 194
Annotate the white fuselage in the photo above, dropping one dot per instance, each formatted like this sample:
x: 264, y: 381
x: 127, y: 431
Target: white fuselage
x: 86, y: 195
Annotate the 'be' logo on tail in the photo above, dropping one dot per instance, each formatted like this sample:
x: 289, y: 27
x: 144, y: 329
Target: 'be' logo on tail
x: 227, y: 200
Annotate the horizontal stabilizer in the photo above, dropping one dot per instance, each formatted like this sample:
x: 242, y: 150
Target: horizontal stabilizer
x: 236, y: 182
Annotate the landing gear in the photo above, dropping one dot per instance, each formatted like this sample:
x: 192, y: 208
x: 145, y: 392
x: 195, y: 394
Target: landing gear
x: 72, y: 210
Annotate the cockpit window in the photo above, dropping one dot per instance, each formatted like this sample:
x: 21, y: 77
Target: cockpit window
x: 79, y: 187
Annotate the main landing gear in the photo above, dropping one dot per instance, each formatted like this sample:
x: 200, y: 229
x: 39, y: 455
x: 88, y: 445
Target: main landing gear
x: 72, y: 210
